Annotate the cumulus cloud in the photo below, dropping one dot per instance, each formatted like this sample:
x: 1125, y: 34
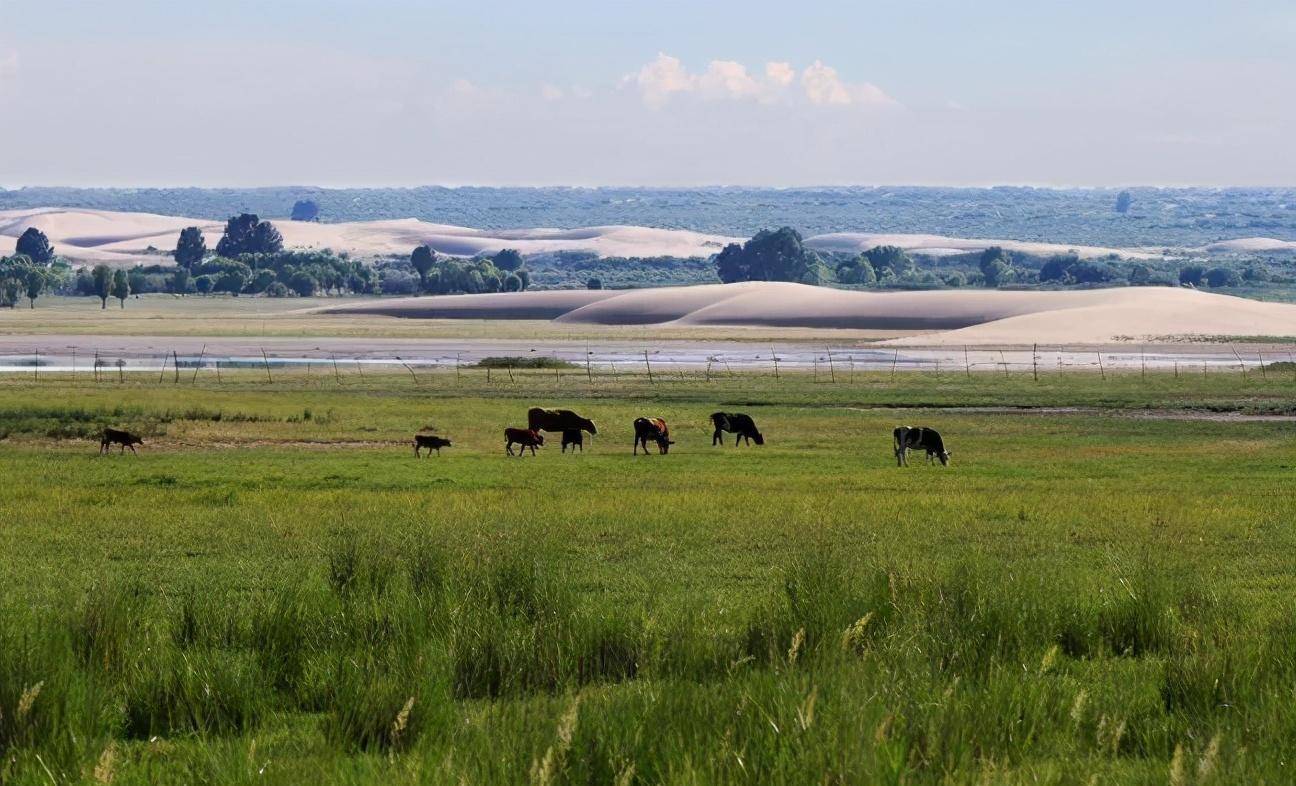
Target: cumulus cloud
x: 666, y: 77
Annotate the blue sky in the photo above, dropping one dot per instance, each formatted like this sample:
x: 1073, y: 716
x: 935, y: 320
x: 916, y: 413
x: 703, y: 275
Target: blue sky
x: 398, y: 92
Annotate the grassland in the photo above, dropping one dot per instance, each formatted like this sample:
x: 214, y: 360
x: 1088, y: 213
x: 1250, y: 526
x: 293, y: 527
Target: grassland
x: 276, y: 591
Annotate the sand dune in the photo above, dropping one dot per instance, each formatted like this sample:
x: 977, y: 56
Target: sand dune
x: 952, y: 316
x: 94, y: 236
x: 1249, y: 245
x: 939, y: 245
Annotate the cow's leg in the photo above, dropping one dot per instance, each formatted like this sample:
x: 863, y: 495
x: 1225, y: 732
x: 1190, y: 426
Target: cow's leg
x: 508, y: 448
x: 715, y: 438
x: 133, y: 453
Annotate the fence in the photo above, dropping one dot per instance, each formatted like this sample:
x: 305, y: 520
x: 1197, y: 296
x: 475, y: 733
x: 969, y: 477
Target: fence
x: 502, y: 360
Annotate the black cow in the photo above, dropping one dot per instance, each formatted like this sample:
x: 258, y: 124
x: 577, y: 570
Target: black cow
x: 112, y: 436
x: 575, y: 438
x: 735, y: 423
x: 431, y: 443
x: 527, y: 438
x: 558, y: 420
x: 654, y: 429
x: 907, y: 438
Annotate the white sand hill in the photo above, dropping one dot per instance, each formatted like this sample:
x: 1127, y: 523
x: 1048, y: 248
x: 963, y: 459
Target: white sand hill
x: 952, y: 316
x: 94, y: 236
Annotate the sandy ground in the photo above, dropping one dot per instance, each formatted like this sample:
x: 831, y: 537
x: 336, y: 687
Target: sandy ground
x: 952, y: 317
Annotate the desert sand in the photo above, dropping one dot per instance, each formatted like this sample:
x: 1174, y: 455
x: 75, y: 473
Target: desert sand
x: 950, y: 316
x: 94, y: 236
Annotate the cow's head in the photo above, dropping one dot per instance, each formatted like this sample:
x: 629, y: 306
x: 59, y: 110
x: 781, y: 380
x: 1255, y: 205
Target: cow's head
x: 588, y: 425
x: 757, y: 438
x: 664, y: 444
x: 538, y: 437
x: 134, y: 440
x: 944, y: 458
x: 447, y: 443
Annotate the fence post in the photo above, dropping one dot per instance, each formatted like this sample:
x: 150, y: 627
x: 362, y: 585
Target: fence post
x: 1241, y: 362
x: 96, y: 365
x: 266, y: 359
x: 457, y: 369
x: 1035, y: 361
x: 1003, y: 361
x: 162, y: 371
x: 198, y: 365
x: 967, y: 365
x: 1143, y: 361
x: 175, y: 363
x: 832, y: 372
x: 649, y: 365
x: 894, y: 360
x: 1263, y: 374
x: 218, y: 376
x: 337, y: 374
x: 1101, y: 370
x: 74, y: 364
x: 589, y: 372
x: 774, y: 355
x: 36, y: 365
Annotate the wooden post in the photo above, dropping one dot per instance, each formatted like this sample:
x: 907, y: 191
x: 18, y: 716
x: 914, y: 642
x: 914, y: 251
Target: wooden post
x: 1263, y: 373
x: 832, y: 371
x: 1101, y: 370
x: 1241, y: 363
x: 198, y: 365
x: 162, y: 372
x: 121, y: 370
x: 708, y: 369
x: 218, y: 376
x: 410, y: 370
x: 74, y: 364
x: 589, y: 372
x: 488, y: 375
x: 774, y: 355
x: 894, y: 360
x: 509, y: 368
x: 96, y: 365
x: 360, y: 368
x: 967, y: 365
x: 1176, y: 369
x: 649, y: 365
x: 1143, y: 361
x: 457, y: 369
x: 1003, y: 362
x: 266, y: 359
x: 175, y: 363
x: 1035, y: 361
x: 337, y: 374
x: 36, y: 365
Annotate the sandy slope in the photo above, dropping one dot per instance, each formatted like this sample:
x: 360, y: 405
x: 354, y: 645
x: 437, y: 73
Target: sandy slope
x: 125, y: 238
x: 1249, y: 245
x: 953, y: 316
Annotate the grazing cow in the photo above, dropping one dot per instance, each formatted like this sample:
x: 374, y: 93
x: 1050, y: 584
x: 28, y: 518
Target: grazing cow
x: 526, y: 437
x: 558, y: 420
x: 112, y: 436
x: 906, y: 438
x: 735, y: 423
x: 574, y: 437
x: 431, y: 443
x: 654, y: 429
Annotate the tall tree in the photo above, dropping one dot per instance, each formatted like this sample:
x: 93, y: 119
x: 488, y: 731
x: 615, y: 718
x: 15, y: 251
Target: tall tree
x: 248, y: 234
x: 121, y: 286
x: 180, y: 283
x: 771, y: 255
x: 102, y: 276
x: 305, y: 210
x: 35, y: 284
x: 34, y: 245
x: 509, y: 260
x: 890, y: 259
x: 191, y: 248
x: 996, y: 266
x: 423, y: 259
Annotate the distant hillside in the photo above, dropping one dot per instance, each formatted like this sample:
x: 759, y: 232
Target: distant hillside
x: 1157, y: 217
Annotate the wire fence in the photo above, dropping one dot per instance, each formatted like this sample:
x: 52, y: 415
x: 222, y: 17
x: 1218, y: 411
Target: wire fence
x: 504, y: 361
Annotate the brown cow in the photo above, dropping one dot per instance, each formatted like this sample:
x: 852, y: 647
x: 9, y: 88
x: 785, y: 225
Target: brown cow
x: 527, y: 438
x: 654, y: 429
x: 112, y: 436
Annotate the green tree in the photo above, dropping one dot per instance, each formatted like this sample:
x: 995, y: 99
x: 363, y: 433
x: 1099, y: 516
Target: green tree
x: 1223, y: 277
x: 594, y: 282
x: 512, y: 283
x: 204, y: 284
x: 305, y: 210
x: 35, y: 282
x: 190, y: 248
x: 996, y: 266
x: 423, y: 259
x: 180, y: 283
x: 121, y: 286
x: 892, y: 259
x: 248, y: 234
x: 508, y: 260
x: 34, y: 245
x: 771, y: 255
x: 1140, y: 275
x: 102, y: 276
x: 10, y: 287
x: 857, y: 271
x: 303, y: 283
x: 261, y: 281
x: 1193, y: 275
x: 232, y: 280
x: 1058, y: 268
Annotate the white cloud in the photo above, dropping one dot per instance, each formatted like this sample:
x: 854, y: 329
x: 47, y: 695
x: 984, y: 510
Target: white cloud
x: 666, y: 77
x: 823, y: 86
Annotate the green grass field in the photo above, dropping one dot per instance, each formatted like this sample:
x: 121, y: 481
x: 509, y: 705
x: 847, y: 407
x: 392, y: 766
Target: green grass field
x: 276, y: 591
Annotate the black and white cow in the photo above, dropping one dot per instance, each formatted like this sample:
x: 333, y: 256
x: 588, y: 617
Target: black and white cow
x: 906, y: 438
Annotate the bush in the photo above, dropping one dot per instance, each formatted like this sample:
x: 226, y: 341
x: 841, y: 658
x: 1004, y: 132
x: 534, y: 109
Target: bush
x: 1223, y: 277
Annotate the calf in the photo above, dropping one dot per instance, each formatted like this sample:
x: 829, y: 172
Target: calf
x: 574, y: 437
x: 735, y: 423
x: 527, y: 438
x: 906, y: 438
x: 654, y: 429
x: 431, y: 443
x: 112, y: 436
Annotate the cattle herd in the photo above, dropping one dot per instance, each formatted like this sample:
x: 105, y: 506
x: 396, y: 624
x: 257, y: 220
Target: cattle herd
x: 646, y: 431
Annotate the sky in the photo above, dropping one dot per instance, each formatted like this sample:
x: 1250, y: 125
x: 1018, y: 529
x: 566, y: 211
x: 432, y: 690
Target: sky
x: 661, y: 93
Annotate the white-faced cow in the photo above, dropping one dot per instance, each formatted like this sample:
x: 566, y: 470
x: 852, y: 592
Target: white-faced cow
x: 654, y: 429
x: 907, y: 438
x: 735, y: 423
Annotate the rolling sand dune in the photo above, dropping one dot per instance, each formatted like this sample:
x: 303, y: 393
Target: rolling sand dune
x: 95, y: 236
x: 953, y: 316
x: 938, y: 245
x: 1249, y: 245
